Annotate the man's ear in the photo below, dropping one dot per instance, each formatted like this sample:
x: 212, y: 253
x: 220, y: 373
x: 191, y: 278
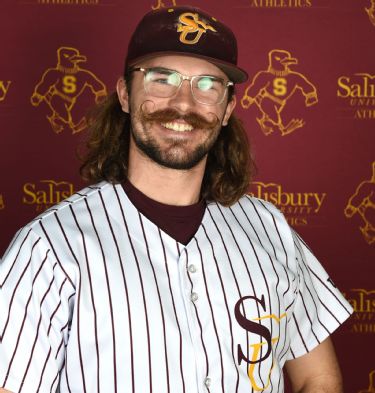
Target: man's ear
x: 229, y: 109
x: 122, y: 93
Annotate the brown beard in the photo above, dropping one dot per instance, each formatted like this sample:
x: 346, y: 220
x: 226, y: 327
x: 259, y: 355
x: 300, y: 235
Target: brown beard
x: 165, y: 158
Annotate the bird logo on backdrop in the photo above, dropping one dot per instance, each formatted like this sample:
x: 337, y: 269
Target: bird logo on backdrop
x: 62, y: 88
x: 271, y: 89
x: 160, y: 4
x: 371, y: 12
x: 362, y: 202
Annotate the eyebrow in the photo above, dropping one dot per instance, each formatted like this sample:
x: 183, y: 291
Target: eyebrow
x: 160, y: 69
x: 164, y: 69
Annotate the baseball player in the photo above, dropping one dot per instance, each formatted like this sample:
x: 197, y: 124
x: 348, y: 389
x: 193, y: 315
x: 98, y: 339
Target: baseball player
x: 163, y: 276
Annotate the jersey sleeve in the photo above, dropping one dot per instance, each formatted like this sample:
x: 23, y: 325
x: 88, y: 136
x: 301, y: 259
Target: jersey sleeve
x: 35, y: 299
x: 319, y: 308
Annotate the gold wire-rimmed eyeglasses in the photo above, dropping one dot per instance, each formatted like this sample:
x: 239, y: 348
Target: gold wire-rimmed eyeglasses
x: 164, y: 83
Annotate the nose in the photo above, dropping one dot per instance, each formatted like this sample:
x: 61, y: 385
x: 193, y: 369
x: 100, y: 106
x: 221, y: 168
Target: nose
x: 183, y: 99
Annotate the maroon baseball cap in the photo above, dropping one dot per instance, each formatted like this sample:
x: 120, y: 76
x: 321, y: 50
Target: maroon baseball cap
x: 185, y: 31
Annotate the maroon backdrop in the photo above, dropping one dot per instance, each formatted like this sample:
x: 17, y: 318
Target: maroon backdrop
x: 309, y: 108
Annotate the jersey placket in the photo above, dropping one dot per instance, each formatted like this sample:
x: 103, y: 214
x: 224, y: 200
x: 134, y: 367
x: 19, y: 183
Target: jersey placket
x: 191, y: 290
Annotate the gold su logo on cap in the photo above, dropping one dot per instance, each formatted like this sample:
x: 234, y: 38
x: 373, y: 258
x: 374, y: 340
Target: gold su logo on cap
x: 192, y: 28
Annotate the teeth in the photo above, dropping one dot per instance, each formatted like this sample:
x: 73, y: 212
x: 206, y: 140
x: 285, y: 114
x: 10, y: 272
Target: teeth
x: 177, y: 126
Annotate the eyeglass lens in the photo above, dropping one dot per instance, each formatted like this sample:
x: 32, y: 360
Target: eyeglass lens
x: 164, y: 83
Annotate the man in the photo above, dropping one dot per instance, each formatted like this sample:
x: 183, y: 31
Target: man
x: 163, y: 276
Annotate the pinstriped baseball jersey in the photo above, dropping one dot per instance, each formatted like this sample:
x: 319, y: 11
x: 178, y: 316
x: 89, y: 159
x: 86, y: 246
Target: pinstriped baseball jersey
x: 96, y: 298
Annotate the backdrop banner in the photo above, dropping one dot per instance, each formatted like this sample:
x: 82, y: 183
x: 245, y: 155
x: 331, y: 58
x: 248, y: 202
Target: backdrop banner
x: 308, y: 107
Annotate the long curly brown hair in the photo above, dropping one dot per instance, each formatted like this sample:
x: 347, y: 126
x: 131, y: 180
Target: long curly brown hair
x: 229, y: 167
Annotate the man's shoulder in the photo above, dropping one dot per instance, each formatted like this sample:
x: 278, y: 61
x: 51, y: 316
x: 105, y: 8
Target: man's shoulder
x: 261, y: 204
x: 262, y: 207
x: 73, y: 202
x: 255, y: 210
x: 61, y: 226
x: 257, y: 220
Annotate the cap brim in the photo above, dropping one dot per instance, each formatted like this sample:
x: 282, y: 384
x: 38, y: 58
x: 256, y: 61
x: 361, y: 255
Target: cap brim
x: 234, y: 73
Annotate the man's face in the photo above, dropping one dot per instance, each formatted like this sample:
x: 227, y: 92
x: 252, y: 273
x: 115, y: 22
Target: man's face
x: 175, y: 132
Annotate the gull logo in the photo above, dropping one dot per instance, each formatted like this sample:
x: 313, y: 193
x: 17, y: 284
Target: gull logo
x: 160, y: 4
x: 362, y: 202
x: 371, y: 384
x: 191, y: 28
x: 62, y: 88
x: 371, y: 12
x: 271, y: 89
x: 2, y: 204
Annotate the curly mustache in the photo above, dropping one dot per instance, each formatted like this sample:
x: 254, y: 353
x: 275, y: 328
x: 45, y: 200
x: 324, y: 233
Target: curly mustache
x: 169, y: 114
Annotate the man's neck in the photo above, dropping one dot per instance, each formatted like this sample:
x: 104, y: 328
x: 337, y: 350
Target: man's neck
x: 164, y: 185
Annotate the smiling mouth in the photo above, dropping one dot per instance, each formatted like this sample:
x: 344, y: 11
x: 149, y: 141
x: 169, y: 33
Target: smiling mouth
x: 179, y: 127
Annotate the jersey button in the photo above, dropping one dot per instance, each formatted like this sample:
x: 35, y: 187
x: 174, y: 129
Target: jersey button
x: 207, y: 382
x: 192, y: 268
x: 194, y: 297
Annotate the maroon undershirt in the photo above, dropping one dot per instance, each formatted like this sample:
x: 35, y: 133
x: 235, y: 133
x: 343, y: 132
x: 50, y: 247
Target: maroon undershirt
x: 179, y: 222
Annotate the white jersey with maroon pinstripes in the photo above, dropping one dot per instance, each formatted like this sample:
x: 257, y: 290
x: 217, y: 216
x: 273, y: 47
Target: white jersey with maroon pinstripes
x: 96, y: 298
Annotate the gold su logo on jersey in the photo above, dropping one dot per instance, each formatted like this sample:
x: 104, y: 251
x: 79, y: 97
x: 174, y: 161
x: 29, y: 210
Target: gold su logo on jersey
x: 271, y: 89
x: 2, y: 204
x: 62, y: 87
x: 260, y: 355
x: 362, y: 202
